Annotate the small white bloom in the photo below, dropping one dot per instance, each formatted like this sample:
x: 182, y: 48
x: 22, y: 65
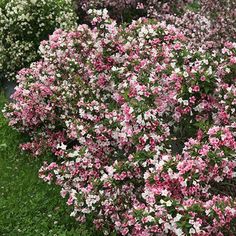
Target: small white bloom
x: 61, y: 146
x: 162, y: 201
x: 178, y: 217
x: 177, y: 70
x: 208, y: 211
x: 179, y: 232
x: 168, y: 203
x: 192, y: 231
x: 90, y: 11
x: 185, y: 74
x: 209, y: 71
x: 146, y: 175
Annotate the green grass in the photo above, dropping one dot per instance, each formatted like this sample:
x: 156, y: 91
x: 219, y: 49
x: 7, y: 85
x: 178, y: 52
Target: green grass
x: 29, y: 206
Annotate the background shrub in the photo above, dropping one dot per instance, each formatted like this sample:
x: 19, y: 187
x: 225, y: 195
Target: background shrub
x: 23, y: 24
x: 207, y: 24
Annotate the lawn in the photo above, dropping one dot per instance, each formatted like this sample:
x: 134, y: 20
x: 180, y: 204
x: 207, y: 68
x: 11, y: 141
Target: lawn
x: 27, y: 205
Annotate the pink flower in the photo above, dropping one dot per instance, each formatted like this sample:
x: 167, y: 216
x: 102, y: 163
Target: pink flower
x: 204, y: 150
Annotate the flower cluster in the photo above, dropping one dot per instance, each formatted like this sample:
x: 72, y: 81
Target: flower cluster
x: 143, y: 127
x: 118, y: 4
x: 23, y: 24
x: 121, y: 10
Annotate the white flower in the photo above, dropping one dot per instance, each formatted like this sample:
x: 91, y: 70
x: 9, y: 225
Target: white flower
x: 147, y: 148
x: 150, y: 218
x: 208, y: 211
x: 179, y: 232
x: 185, y: 74
x: 162, y: 201
x: 90, y: 11
x: 177, y: 70
x: 167, y: 226
x: 73, y: 214
x: 197, y: 226
x: 146, y: 175
x: 160, y: 221
x: 99, y: 12
x: 73, y: 154
x: 104, y: 177
x: 178, y: 217
x: 192, y: 231
x: 61, y: 146
x: 209, y: 71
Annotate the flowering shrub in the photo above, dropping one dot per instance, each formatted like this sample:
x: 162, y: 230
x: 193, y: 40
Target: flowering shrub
x: 23, y: 24
x: 207, y: 24
x: 143, y: 128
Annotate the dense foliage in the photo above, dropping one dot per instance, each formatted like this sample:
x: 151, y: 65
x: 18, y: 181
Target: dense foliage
x: 23, y: 24
x: 143, y: 126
